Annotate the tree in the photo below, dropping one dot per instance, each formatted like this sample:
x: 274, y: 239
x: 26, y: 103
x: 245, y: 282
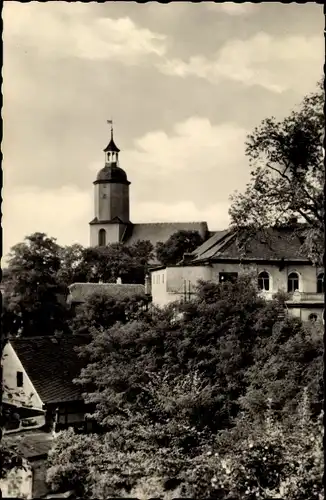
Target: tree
x: 271, y: 459
x: 34, y: 294
x: 169, y: 396
x: 101, y: 311
x: 73, y: 268
x: 215, y: 341
x: 286, y: 364
x: 95, y: 264
x: 288, y: 174
x: 172, y: 251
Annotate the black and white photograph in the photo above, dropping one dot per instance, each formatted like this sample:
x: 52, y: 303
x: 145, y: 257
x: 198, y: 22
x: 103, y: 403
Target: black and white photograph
x: 162, y: 271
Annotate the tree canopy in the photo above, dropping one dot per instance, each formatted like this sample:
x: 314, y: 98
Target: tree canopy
x: 40, y: 271
x: 34, y: 296
x: 176, y: 401
x: 287, y: 177
x: 172, y: 251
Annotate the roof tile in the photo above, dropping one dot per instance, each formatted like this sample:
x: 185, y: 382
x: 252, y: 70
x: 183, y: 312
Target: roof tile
x: 79, y: 292
x: 52, y: 363
x: 270, y: 244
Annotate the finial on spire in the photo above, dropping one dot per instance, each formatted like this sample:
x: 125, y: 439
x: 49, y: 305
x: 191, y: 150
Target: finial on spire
x: 110, y: 122
x: 111, y: 150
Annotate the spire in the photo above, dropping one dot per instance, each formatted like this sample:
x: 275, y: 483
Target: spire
x: 111, y: 151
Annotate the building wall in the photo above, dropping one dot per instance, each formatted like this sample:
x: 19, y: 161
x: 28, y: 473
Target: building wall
x: 168, y: 285
x: 173, y: 283
x: 23, y: 396
x: 278, y: 278
x: 303, y: 313
x: 111, y: 200
x: 18, y: 483
x: 114, y: 233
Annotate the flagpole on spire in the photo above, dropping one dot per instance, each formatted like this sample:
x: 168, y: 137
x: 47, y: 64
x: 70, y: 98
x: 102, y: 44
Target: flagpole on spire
x: 110, y: 122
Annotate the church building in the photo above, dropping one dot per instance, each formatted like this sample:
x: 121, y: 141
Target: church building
x: 112, y: 222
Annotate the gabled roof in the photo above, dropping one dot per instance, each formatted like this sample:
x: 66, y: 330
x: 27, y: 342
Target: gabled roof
x: 79, y: 292
x: 161, y: 231
x: 216, y: 237
x: 52, y: 363
x: 278, y: 243
x: 30, y: 444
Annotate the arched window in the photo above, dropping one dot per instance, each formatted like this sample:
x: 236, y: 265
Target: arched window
x: 263, y: 281
x: 320, y: 283
x: 312, y: 317
x: 293, y: 282
x: 102, y: 238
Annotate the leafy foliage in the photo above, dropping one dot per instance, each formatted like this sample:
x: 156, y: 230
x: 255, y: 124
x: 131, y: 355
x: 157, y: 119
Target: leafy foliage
x: 288, y: 174
x: 175, y: 401
x: 216, y: 341
x: 40, y: 272
x: 35, y: 298
x: 172, y: 251
x: 10, y: 459
x: 103, y: 311
x: 286, y: 364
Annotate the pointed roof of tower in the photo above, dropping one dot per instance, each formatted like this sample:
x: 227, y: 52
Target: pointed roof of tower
x: 111, y: 147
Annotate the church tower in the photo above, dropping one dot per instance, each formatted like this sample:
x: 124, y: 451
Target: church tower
x: 111, y: 196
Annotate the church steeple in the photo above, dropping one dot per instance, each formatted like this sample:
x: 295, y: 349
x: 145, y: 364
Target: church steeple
x: 111, y: 199
x: 111, y: 151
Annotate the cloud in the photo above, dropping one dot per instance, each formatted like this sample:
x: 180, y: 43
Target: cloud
x: 62, y: 213
x: 215, y: 214
x: 194, y: 145
x: 231, y: 8
x: 275, y: 63
x: 63, y: 30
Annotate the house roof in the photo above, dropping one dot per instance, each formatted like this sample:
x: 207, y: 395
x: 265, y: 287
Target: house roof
x: 161, y: 231
x: 30, y: 444
x: 278, y: 243
x: 79, y: 292
x: 52, y: 363
x: 216, y: 237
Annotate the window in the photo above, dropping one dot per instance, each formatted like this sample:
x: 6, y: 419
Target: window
x: 102, y: 238
x: 162, y: 278
x: 232, y: 277
x: 320, y: 283
x: 293, y: 282
x: 263, y: 281
x: 19, y: 379
x: 312, y: 317
x: 158, y: 279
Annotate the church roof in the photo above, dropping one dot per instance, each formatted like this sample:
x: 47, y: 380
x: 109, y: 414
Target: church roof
x: 79, y: 292
x: 161, y: 231
x: 274, y: 243
x: 112, y: 173
x: 112, y: 147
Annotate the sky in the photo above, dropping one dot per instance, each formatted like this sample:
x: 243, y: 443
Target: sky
x: 184, y: 83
